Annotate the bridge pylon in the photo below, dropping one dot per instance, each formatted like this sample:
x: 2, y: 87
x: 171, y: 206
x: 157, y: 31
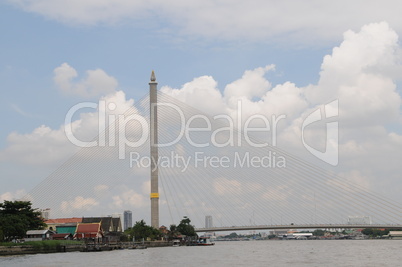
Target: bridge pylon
x: 153, y: 100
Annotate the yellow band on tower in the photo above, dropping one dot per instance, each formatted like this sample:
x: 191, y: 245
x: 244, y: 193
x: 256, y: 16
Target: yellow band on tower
x: 154, y: 195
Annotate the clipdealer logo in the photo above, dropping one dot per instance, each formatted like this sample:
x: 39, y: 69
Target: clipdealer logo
x: 330, y: 155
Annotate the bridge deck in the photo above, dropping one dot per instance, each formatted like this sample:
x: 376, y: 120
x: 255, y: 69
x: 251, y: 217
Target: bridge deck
x: 298, y: 226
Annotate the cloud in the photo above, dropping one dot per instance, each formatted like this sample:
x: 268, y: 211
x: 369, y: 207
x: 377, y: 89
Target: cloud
x: 224, y: 186
x: 306, y: 22
x: 359, y: 73
x: 351, y: 74
x: 367, y: 100
x: 101, y: 189
x: 47, y: 146
x: 96, y: 82
x: 78, y: 204
x: 11, y: 196
x: 43, y: 146
x: 204, y: 87
x: 128, y: 199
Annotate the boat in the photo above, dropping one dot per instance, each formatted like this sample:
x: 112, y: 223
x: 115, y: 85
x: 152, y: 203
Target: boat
x: 204, y: 241
x: 176, y: 243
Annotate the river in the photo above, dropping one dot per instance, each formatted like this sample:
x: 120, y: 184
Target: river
x: 235, y: 253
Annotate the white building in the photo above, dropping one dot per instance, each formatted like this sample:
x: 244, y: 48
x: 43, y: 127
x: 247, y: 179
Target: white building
x: 38, y: 235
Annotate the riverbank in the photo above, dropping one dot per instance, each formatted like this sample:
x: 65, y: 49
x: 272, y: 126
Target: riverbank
x: 48, y: 246
x: 53, y: 246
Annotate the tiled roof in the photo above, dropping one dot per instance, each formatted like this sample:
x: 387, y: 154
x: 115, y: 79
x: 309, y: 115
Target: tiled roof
x: 107, y: 222
x: 88, y: 228
x: 64, y: 220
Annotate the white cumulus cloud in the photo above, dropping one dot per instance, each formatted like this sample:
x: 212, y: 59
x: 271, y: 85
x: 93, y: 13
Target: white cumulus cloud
x: 47, y: 146
x: 360, y: 73
x: 96, y: 82
x: 11, y: 196
x: 78, y: 204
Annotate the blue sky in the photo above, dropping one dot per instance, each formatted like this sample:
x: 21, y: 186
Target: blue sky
x: 348, y: 50
x: 33, y: 46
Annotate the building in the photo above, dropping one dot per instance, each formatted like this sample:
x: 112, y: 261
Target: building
x: 58, y: 224
x: 208, y: 221
x: 89, y: 231
x: 109, y: 224
x: 278, y: 233
x: 395, y: 234
x: 111, y: 227
x: 38, y: 235
x: 68, y: 228
x: 128, y: 219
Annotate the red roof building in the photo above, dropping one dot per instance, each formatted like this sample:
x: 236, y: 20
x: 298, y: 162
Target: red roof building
x: 88, y: 230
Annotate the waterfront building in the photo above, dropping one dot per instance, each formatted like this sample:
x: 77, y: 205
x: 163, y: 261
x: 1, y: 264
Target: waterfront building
x: 63, y: 225
x: 89, y: 231
x: 38, y: 235
x: 109, y: 224
x: 111, y: 227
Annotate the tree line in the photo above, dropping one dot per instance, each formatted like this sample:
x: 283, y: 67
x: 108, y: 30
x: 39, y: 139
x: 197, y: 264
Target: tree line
x: 141, y: 230
x: 17, y: 217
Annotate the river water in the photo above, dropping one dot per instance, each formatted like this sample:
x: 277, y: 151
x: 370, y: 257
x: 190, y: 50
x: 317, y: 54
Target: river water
x: 235, y: 253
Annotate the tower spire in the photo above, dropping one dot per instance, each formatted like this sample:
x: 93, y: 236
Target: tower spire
x: 153, y: 78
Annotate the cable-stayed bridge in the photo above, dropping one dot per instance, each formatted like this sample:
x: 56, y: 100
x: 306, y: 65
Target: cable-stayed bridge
x: 206, y: 165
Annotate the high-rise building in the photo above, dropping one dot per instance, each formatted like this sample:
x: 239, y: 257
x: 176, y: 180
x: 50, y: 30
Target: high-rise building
x: 128, y: 219
x: 208, y: 221
x: 45, y: 213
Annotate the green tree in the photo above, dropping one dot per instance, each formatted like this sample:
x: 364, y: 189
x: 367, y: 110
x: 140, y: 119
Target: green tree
x: 1, y: 235
x: 367, y: 231
x: 232, y: 235
x: 185, y: 228
x: 173, y: 232
x: 141, y: 230
x: 318, y: 232
x: 375, y: 232
x: 17, y: 217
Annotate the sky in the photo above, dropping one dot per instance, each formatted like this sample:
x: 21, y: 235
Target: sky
x: 278, y: 57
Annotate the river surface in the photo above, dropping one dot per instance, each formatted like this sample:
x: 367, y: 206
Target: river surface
x: 235, y: 253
